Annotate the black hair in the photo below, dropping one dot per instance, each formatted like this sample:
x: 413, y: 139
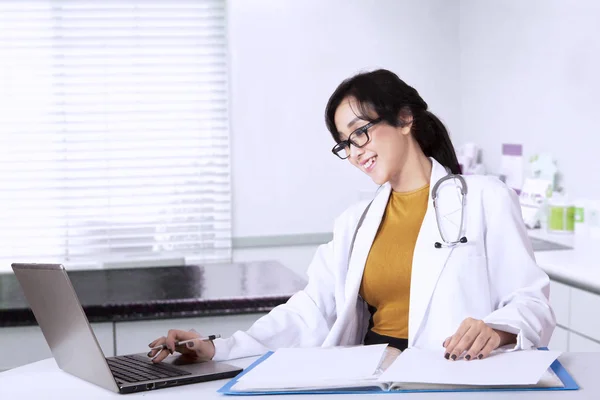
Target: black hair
x: 383, y: 94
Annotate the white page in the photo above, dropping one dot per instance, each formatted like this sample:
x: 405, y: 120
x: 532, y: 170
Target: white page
x: 303, y: 366
x: 523, y: 367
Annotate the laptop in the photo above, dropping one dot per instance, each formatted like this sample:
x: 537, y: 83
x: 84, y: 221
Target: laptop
x: 75, y: 348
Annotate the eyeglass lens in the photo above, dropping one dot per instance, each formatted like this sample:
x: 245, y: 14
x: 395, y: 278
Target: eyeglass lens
x: 358, y: 138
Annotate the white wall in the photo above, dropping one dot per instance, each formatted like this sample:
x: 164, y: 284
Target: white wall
x: 287, y: 57
x: 530, y: 75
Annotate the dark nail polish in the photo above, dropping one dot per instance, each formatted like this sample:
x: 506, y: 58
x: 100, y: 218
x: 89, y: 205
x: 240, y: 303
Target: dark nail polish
x: 480, y: 356
x: 447, y: 356
x: 453, y: 357
x: 170, y: 351
x: 190, y: 345
x: 149, y: 354
x: 468, y: 357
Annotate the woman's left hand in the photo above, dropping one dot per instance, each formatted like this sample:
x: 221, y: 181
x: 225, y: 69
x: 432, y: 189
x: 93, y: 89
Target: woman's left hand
x: 475, y: 338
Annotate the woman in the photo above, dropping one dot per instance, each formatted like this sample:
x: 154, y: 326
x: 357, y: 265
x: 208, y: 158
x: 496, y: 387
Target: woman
x: 388, y: 275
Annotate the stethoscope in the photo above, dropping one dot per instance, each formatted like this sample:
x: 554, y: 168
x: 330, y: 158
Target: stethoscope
x: 462, y: 186
x: 463, y: 194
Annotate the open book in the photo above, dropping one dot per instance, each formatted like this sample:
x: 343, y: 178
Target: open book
x: 379, y: 368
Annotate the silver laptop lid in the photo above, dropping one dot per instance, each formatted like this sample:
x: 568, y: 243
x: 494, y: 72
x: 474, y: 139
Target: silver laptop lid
x: 64, y: 324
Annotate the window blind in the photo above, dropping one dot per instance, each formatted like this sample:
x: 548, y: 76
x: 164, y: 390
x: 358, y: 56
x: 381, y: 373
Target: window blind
x: 113, y: 131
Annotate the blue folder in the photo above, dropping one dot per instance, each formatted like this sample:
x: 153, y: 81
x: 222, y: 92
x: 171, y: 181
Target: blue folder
x: 559, y: 370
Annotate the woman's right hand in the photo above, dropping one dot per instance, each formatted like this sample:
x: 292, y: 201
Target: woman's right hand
x: 198, y: 350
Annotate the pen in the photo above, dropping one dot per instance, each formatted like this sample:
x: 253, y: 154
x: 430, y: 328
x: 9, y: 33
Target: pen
x: 183, y: 342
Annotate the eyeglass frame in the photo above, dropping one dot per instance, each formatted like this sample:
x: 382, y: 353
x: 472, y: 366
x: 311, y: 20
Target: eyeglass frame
x: 364, y: 129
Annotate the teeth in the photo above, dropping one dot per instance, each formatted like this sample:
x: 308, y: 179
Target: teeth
x: 369, y: 163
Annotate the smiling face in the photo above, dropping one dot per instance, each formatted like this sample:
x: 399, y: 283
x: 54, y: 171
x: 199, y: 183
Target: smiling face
x: 383, y: 157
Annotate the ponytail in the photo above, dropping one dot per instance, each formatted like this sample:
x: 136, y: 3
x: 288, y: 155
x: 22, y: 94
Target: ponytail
x: 434, y: 140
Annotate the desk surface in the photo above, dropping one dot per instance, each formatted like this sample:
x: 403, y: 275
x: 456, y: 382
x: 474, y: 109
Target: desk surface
x: 130, y: 294
x: 578, y: 267
x: 44, y: 377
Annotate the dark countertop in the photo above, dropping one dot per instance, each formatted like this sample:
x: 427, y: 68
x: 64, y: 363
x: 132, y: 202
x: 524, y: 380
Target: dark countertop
x: 111, y: 295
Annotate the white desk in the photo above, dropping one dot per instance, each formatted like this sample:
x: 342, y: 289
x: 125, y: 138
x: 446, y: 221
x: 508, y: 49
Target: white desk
x: 44, y: 380
x: 578, y: 268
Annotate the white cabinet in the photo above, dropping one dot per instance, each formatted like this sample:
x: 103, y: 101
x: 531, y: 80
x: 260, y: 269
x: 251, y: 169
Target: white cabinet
x: 560, y: 300
x: 134, y: 337
x: 580, y: 343
x: 559, y: 340
x: 575, y: 311
x: 584, y: 313
x: 26, y: 344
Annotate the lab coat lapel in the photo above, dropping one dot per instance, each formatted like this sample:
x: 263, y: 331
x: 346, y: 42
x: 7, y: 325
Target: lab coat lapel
x: 345, y: 327
x: 428, y: 261
x: 364, y: 241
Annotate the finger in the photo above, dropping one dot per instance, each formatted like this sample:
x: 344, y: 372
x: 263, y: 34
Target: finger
x: 446, y: 341
x: 201, y: 349
x: 452, y: 342
x: 465, y: 343
x: 491, y: 344
x: 161, y: 356
x: 455, y: 339
x: 181, y: 348
x: 192, y: 346
x: 176, y: 335
x: 158, y: 341
x: 479, y: 343
x: 154, y: 352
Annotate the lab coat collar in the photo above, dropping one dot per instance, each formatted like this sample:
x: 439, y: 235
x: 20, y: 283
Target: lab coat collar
x: 428, y: 262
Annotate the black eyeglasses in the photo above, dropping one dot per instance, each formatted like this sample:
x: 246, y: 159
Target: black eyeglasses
x: 358, y: 138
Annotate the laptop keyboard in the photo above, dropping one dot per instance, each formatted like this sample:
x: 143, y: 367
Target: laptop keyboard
x: 129, y: 369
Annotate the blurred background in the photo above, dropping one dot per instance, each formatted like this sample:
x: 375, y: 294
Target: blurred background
x: 191, y: 129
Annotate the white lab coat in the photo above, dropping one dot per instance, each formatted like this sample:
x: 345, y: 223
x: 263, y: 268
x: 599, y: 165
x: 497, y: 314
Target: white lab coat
x: 493, y: 277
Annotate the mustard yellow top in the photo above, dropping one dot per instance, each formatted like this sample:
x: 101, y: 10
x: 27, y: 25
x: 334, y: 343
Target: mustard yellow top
x: 386, y: 279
